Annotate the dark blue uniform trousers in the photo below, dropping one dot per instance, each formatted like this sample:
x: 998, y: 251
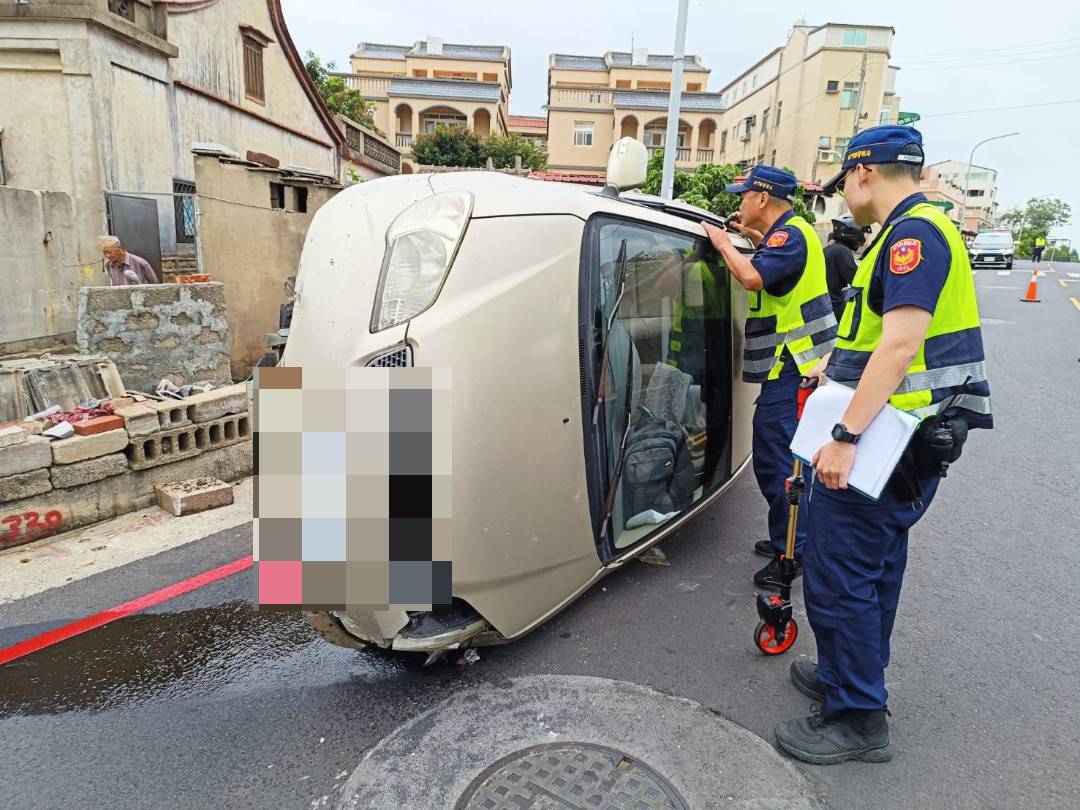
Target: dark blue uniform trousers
x: 855, y: 556
x: 775, y: 420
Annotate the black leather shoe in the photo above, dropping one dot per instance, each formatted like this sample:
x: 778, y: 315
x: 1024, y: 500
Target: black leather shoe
x: 854, y: 735
x: 805, y: 677
x: 765, y: 548
x: 769, y: 576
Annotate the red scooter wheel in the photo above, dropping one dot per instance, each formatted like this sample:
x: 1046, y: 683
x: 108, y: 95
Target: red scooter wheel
x: 766, y: 641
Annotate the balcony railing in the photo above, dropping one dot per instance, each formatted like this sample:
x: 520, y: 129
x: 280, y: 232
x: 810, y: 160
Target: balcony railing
x: 369, y: 86
x: 686, y: 155
x: 580, y: 97
x: 404, y: 140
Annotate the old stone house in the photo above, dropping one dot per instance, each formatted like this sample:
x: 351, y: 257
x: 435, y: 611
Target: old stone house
x: 101, y: 104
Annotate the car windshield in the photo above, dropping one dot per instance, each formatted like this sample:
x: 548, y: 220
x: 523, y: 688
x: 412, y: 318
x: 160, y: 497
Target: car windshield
x: 993, y: 240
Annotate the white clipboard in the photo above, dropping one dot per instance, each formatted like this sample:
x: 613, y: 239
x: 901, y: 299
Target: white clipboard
x: 879, y: 449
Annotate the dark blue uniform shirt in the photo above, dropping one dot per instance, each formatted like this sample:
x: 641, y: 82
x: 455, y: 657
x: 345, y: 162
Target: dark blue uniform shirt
x: 913, y: 263
x: 781, y: 263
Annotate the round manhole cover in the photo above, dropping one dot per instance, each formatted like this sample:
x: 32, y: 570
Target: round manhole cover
x: 570, y: 776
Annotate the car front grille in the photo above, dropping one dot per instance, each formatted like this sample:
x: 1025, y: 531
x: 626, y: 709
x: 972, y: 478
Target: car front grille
x: 399, y: 357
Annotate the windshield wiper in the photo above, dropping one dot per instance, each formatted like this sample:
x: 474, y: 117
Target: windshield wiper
x: 619, y: 289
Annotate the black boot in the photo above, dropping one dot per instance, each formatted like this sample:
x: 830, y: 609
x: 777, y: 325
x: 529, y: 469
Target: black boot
x: 768, y: 578
x: 805, y: 677
x: 765, y: 548
x: 860, y: 735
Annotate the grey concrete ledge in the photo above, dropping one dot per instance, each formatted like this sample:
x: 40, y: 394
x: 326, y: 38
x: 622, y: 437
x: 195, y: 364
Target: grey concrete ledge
x: 427, y: 763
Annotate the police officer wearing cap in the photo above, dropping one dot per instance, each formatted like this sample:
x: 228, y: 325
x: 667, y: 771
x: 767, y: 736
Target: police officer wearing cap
x: 846, y: 237
x: 909, y: 337
x: 790, y: 326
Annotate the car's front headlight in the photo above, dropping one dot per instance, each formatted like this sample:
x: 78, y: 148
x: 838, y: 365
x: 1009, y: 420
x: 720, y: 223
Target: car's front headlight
x: 420, y: 247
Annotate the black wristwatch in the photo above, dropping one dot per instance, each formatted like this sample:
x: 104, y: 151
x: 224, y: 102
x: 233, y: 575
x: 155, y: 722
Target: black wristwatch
x: 841, y: 434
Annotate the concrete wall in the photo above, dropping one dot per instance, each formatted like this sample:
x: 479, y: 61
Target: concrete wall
x: 251, y: 247
x: 39, y: 237
x: 179, y: 331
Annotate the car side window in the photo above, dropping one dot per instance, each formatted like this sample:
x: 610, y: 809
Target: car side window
x: 668, y: 374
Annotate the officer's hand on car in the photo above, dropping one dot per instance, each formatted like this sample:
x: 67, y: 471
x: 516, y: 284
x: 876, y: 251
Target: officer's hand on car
x: 833, y: 463
x: 718, y: 236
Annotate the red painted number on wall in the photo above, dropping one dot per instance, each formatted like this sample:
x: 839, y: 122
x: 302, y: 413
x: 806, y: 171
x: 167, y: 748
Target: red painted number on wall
x: 35, y: 522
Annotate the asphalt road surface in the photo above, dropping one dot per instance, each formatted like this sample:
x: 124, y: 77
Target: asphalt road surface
x: 202, y: 702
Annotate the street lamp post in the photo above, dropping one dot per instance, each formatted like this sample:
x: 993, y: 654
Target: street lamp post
x: 671, y: 138
x: 967, y: 178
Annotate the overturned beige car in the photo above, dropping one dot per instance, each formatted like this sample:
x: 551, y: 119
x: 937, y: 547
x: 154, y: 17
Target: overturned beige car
x: 594, y: 340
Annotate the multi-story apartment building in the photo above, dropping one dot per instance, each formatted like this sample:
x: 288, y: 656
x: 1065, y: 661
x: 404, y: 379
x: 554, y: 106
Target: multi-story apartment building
x: 418, y: 87
x: 595, y: 100
x: 800, y: 104
x: 982, y: 206
x: 942, y: 192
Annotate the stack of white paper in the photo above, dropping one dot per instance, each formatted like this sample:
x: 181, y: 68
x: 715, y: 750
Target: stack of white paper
x: 878, y: 451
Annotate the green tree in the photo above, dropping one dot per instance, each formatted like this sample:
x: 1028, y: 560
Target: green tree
x: 704, y: 187
x: 449, y: 147
x: 503, y: 148
x: 337, y: 94
x: 1036, y: 218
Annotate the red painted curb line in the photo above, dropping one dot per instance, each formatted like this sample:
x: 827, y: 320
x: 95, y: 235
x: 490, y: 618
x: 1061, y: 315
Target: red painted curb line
x: 47, y: 639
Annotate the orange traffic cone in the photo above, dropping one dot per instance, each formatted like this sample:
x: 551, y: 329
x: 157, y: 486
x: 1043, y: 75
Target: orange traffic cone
x: 1032, y: 294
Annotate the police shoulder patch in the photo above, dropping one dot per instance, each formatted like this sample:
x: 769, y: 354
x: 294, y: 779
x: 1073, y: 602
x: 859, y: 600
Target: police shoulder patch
x: 905, y: 255
x: 777, y: 239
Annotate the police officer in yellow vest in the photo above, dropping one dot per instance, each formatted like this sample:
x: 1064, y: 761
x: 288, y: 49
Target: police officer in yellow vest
x: 909, y: 336
x: 1040, y: 246
x: 789, y: 328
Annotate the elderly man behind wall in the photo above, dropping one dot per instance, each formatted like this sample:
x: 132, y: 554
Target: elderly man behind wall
x: 123, y: 267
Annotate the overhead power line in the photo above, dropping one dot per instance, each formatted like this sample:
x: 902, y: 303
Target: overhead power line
x: 995, y: 63
x: 998, y: 109
x: 950, y: 54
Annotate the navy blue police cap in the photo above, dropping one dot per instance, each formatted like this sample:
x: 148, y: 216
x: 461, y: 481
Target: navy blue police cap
x: 890, y: 143
x: 777, y: 182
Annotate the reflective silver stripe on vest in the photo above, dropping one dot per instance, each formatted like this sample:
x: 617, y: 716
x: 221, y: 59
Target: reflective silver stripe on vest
x: 969, y: 402
x: 816, y: 353
x: 759, y: 366
x: 947, y: 377
x: 807, y: 329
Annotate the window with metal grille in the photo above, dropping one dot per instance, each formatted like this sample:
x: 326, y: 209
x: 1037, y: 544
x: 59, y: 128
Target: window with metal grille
x: 254, y: 85
x: 583, y: 133
x: 184, y: 210
x: 832, y: 87
x: 849, y: 98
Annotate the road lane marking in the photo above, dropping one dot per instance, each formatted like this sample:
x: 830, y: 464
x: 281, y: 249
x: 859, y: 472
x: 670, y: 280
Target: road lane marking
x: 47, y: 639
x: 1004, y: 272
x: 1076, y: 302
x: 1073, y: 275
x: 1064, y: 286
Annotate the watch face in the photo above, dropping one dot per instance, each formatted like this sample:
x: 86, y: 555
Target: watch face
x: 838, y: 432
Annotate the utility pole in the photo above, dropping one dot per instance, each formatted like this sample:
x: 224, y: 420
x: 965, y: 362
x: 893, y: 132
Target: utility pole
x: 862, y: 89
x: 967, y: 177
x: 671, y: 138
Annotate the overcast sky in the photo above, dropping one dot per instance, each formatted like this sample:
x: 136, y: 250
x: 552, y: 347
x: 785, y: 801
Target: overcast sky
x: 951, y: 60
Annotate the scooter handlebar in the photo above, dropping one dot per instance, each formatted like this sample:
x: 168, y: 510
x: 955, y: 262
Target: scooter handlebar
x: 807, y: 386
